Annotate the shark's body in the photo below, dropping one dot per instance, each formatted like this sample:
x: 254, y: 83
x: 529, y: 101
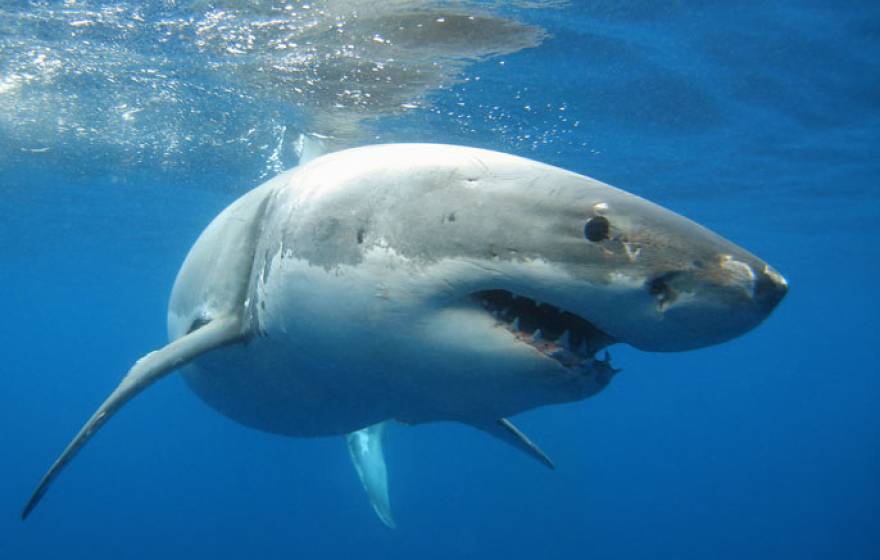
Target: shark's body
x: 373, y: 321
x: 426, y: 282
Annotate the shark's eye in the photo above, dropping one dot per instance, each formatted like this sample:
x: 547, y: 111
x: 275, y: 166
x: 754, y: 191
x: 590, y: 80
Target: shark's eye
x: 596, y: 229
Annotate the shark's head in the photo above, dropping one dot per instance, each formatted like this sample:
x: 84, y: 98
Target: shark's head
x: 678, y: 286
x: 497, y: 240
x: 635, y: 271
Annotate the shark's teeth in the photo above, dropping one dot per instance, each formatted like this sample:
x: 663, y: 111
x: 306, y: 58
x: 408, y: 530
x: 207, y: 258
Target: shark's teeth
x: 565, y: 340
x: 569, y: 339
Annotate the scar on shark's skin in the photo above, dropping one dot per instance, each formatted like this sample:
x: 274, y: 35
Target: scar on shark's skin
x: 331, y: 300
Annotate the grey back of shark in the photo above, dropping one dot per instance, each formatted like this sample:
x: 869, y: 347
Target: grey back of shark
x: 420, y: 283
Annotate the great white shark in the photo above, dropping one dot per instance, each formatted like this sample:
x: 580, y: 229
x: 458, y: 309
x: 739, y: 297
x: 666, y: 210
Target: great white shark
x: 421, y: 283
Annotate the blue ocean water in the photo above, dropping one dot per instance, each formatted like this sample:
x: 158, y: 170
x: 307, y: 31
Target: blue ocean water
x: 125, y: 128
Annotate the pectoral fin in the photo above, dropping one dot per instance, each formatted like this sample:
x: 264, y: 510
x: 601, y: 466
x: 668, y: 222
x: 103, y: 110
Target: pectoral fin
x: 365, y: 447
x: 504, y: 430
x: 214, y: 334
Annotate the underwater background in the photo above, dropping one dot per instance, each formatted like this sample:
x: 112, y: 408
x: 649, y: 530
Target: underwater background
x: 126, y: 126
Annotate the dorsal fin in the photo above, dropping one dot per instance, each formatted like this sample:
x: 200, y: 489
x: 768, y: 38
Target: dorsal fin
x: 214, y: 334
x: 309, y: 147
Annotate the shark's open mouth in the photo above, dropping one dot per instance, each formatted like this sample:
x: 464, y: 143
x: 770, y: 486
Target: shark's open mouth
x: 566, y: 337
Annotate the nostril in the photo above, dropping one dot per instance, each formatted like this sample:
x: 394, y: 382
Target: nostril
x: 659, y: 288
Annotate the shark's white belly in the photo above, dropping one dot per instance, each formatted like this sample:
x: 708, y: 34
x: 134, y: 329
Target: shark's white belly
x: 272, y: 387
x: 324, y: 383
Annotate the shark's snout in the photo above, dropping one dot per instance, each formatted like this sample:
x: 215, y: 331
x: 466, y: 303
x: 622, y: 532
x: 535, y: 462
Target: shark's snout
x: 762, y: 285
x: 770, y: 288
x: 705, y: 302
